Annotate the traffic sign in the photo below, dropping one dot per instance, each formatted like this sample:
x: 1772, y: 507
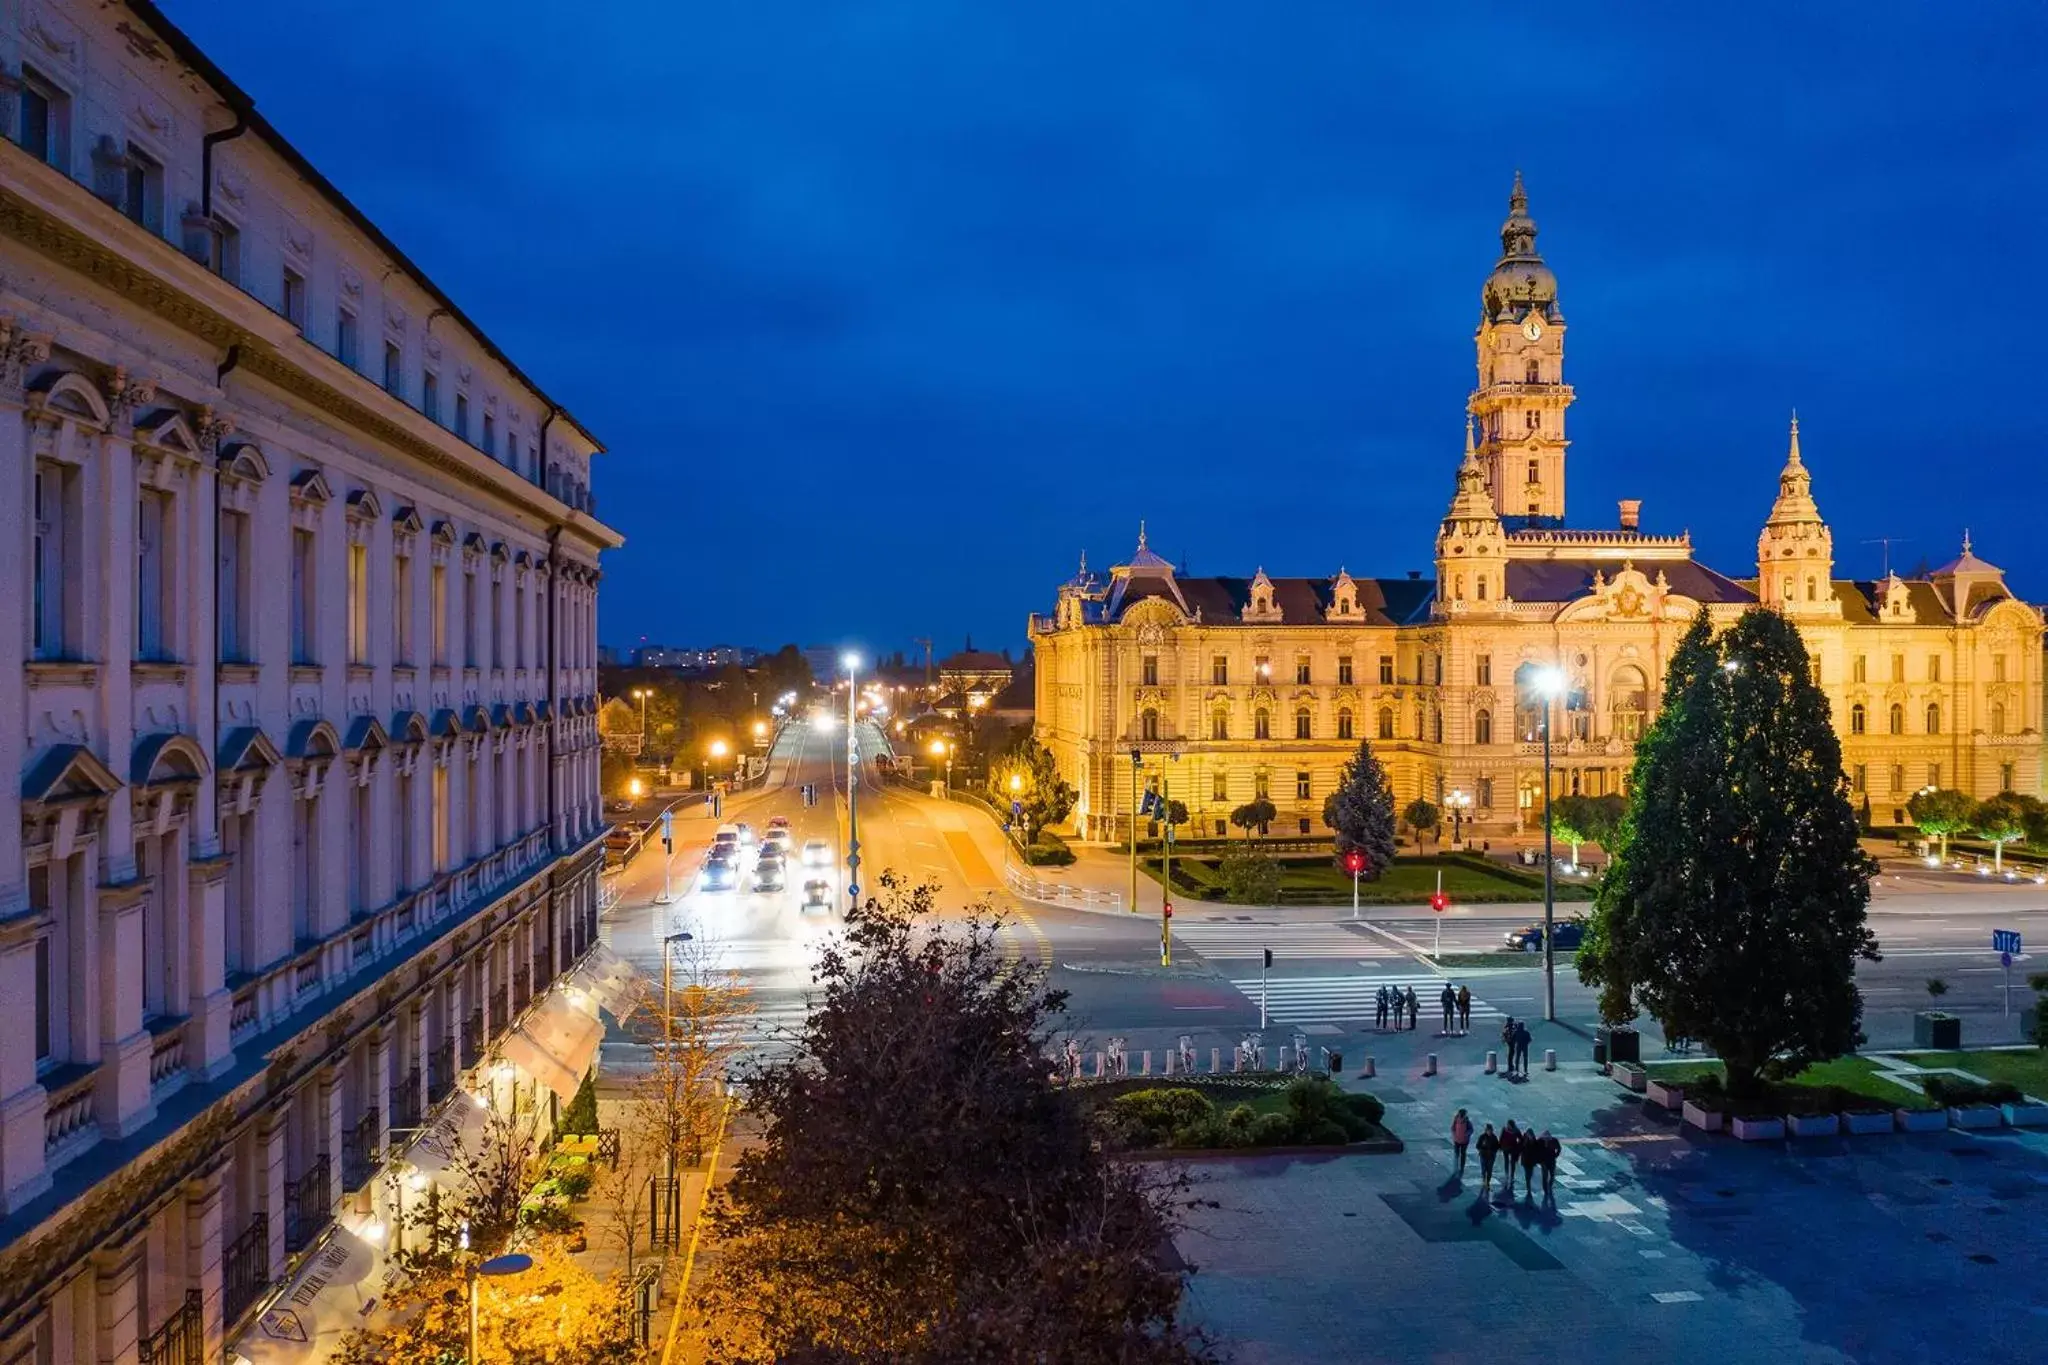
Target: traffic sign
x: 2005, y: 941
x: 2005, y: 959
x: 1016, y: 806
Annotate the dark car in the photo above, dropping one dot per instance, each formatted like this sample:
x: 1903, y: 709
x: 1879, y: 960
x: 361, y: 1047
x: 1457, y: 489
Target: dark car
x: 720, y: 873
x: 1529, y: 938
x: 768, y: 875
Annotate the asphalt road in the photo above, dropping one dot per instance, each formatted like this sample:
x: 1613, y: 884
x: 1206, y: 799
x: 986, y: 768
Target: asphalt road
x: 1326, y: 969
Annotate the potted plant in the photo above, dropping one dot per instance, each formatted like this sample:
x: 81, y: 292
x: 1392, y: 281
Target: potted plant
x: 1757, y: 1127
x: 1811, y: 1112
x: 1937, y: 1030
x: 1920, y: 1119
x: 1631, y: 1075
x: 1969, y: 1104
x: 1665, y: 1094
x: 1704, y: 1105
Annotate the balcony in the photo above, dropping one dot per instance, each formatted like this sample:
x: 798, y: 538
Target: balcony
x: 308, y: 1206
x: 405, y: 1100
x: 473, y: 1038
x: 182, y: 1338
x: 441, y: 1071
x: 68, y: 1115
x: 359, y: 1148
x: 166, y: 1055
x: 245, y: 1270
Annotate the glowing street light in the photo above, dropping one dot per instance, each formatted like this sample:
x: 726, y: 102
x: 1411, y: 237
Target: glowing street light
x: 719, y: 748
x: 941, y: 749
x: 1016, y: 783
x: 636, y: 788
x: 760, y: 729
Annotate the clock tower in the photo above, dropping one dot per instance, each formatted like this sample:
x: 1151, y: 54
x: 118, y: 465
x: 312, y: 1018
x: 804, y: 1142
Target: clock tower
x: 1521, y: 399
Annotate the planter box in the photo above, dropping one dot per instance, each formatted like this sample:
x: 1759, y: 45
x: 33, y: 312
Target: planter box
x: 1767, y: 1128
x: 1663, y: 1095
x: 1876, y: 1121
x: 1630, y: 1076
x: 2025, y: 1115
x: 1937, y: 1032
x: 1813, y: 1125
x: 1623, y: 1044
x: 1921, y: 1120
x: 1975, y: 1116
x: 1706, y: 1120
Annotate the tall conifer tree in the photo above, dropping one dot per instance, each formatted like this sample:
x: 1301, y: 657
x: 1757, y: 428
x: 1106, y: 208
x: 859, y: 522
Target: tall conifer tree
x: 1361, y: 810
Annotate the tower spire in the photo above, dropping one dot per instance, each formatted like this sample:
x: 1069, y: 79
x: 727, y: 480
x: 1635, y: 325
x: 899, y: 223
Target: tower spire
x: 1792, y: 457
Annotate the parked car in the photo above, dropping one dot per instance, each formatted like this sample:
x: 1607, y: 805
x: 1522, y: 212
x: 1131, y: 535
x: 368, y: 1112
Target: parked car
x: 1529, y: 938
x: 817, y: 896
x: 817, y: 853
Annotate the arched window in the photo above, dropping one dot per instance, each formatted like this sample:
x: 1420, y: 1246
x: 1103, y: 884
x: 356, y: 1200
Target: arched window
x: 1482, y: 727
x: 1997, y: 718
x: 1304, y: 726
x: 1898, y: 719
x: 1219, y: 725
x: 1856, y: 719
x: 1148, y: 724
x: 1532, y: 373
x: 1933, y: 718
x: 1344, y: 724
x: 1386, y: 730
x: 1262, y: 724
x: 1628, y: 703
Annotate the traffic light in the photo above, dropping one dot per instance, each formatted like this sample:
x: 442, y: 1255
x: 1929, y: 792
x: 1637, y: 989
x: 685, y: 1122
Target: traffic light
x: 1354, y: 862
x: 1439, y: 902
x: 1167, y: 911
x: 1269, y: 956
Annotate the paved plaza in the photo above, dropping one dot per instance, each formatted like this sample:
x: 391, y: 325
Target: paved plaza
x: 1657, y: 1244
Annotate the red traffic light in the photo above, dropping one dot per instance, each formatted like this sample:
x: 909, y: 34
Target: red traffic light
x: 1167, y: 912
x: 1354, y: 862
x: 1439, y: 902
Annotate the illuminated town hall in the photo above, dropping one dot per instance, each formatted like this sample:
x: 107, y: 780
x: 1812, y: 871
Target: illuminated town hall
x: 1232, y: 688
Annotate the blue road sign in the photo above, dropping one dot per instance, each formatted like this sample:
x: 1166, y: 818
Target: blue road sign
x: 2005, y: 941
x: 668, y: 827
x: 2005, y: 959
x: 1016, y: 806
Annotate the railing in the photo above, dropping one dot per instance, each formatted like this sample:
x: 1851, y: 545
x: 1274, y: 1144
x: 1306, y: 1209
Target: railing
x: 441, y: 1070
x: 182, y: 1338
x: 245, y: 1269
x: 69, y: 1112
x: 1059, y: 893
x: 473, y: 1038
x: 307, y: 1205
x: 522, y: 988
x: 646, y: 1298
x: 307, y: 975
x: 166, y: 1056
x: 244, y: 1014
x: 359, y: 1150
x: 405, y: 1100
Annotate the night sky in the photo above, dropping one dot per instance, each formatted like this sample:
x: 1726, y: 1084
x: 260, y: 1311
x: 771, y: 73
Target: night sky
x: 887, y: 311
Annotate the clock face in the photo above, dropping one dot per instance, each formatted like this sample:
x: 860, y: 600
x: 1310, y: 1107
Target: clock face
x: 1533, y: 328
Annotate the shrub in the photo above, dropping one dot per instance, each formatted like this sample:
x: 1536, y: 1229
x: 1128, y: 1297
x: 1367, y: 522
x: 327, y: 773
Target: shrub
x: 1248, y: 876
x: 1326, y: 1133
x: 580, y: 1117
x: 575, y: 1182
x: 1272, y: 1130
x: 1149, y: 1118
x: 1367, y: 1107
x: 1047, y: 849
x: 1238, y: 1125
x: 1953, y: 1092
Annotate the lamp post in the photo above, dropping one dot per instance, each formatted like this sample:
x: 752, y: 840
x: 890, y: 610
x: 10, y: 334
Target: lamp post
x: 668, y: 1017
x: 1459, y: 801
x: 718, y: 750
x: 942, y: 749
x: 1549, y: 685
x: 1137, y: 761
x: 852, y: 664
x: 513, y: 1264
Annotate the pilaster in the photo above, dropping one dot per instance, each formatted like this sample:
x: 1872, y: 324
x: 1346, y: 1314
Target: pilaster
x: 209, y: 1051
x: 203, y: 1254
x: 123, y: 1101
x: 117, y: 1325
x: 272, y: 1132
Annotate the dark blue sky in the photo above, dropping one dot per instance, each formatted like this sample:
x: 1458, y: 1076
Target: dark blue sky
x: 888, y: 310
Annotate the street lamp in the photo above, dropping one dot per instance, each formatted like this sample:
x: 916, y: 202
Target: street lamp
x: 1459, y: 801
x: 1548, y: 683
x: 513, y: 1264
x: 635, y: 788
x: 851, y: 662
x: 941, y: 749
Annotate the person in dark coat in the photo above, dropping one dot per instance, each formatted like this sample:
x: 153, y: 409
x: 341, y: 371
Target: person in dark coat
x: 1414, y: 1007
x: 1522, y: 1048
x: 1507, y: 1042
x: 1379, y: 1016
x: 1449, y: 1001
x: 1489, y: 1148
x: 1548, y: 1150
x: 1510, y: 1152
x: 1464, y: 1009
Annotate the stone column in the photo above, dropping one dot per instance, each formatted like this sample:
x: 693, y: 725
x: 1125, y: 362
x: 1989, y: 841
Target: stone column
x: 272, y: 1131
x: 123, y: 1098
x: 203, y: 1247
x: 208, y: 1049
x: 19, y: 352
x: 329, y: 1121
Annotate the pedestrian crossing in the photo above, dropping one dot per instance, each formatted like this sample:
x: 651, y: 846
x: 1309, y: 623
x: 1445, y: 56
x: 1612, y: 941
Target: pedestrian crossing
x: 1331, y: 999
x: 1236, y: 940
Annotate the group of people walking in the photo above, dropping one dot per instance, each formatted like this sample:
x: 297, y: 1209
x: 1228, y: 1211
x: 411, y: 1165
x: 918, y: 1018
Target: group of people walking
x: 1404, y: 1008
x: 1512, y: 1147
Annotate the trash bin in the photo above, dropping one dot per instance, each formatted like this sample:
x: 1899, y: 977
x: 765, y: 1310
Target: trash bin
x: 1622, y: 1045
x: 1600, y: 1051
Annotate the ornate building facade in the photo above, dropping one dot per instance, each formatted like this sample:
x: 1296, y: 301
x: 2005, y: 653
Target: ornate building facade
x: 1227, y: 689
x: 297, y: 679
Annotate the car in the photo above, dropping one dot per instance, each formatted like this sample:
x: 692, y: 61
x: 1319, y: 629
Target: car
x: 817, y: 896
x: 777, y: 839
x: 1529, y: 938
x: 768, y: 875
x: 720, y: 873
x: 817, y: 853
x: 746, y: 833
x: 778, y: 822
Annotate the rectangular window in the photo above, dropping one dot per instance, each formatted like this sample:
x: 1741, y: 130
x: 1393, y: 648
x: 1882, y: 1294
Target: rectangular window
x: 1898, y: 668
x: 402, y: 873
x: 292, y: 299
x: 52, y: 551
x: 394, y: 370
x: 1386, y: 670
x: 1262, y: 669
x: 2005, y: 776
x: 437, y: 614
x: 1859, y: 779
x: 1934, y: 774
x: 1344, y: 670
x: 489, y: 444
x: 430, y: 396
x: 1301, y: 786
x: 401, y: 610
x: 469, y: 619
x: 1483, y: 798
x: 1219, y: 787
x: 143, y: 196
x: 1436, y: 668
x: 45, y: 128
x: 1898, y: 778
x: 302, y: 596
x: 1148, y: 670
x: 462, y: 415
x: 358, y: 849
x: 1219, y: 671
x: 345, y: 348
x: 224, y: 248
x: 1860, y: 670
x: 1998, y: 668
x: 511, y: 450
x: 152, y: 575
x: 1261, y: 787
x: 1301, y: 670
x: 232, y: 537
x: 1483, y: 670
x: 497, y: 623
x: 519, y: 625
x: 1934, y: 668
x: 1533, y: 467
x: 1813, y: 668
x: 359, y: 604
x: 43, y: 1002
x: 439, y: 818
x: 46, y: 978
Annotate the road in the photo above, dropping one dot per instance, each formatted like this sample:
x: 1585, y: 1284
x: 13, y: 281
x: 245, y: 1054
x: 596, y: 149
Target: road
x: 1327, y: 966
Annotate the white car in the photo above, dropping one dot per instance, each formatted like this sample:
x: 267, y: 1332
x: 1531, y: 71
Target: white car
x: 778, y: 839
x: 817, y: 853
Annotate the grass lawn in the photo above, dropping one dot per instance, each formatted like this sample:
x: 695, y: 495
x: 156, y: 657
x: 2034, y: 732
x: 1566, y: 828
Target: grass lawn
x: 1318, y: 881
x: 2028, y: 1070
x: 1856, y: 1075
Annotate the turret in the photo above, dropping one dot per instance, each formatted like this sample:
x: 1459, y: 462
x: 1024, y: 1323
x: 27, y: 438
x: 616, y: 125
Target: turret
x: 1795, y: 554
x: 1471, y: 546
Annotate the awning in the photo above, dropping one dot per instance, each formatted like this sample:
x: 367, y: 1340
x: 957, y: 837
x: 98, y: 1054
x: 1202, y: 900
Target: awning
x: 457, y: 1129
x: 603, y: 980
x: 336, y: 1290
x: 555, y: 1045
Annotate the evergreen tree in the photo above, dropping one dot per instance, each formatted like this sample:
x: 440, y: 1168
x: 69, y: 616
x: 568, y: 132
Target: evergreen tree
x: 1734, y: 909
x: 1361, y: 811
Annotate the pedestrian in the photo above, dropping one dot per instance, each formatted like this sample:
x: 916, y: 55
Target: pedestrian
x: 1379, y: 1018
x: 1464, y: 1009
x: 1522, y: 1048
x: 1507, y: 1043
x: 1548, y: 1148
x: 1461, y: 1134
x: 1510, y: 1150
x: 1414, y: 1007
x: 1450, y: 1004
x: 1533, y: 1148
x: 1489, y: 1148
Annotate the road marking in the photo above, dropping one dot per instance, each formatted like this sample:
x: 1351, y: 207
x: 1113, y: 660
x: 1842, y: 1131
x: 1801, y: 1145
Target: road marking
x: 1677, y: 1296
x: 1310, y: 999
x: 1289, y: 942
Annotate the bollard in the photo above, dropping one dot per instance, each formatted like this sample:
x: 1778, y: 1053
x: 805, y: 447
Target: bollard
x: 1492, y: 1061
x: 1145, y: 1063
x: 1236, y: 1060
x: 1098, y: 1066
x: 1169, y: 1061
x: 1215, y: 1061
x: 1550, y: 1059
x: 1370, y: 1070
x: 1429, y: 1065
